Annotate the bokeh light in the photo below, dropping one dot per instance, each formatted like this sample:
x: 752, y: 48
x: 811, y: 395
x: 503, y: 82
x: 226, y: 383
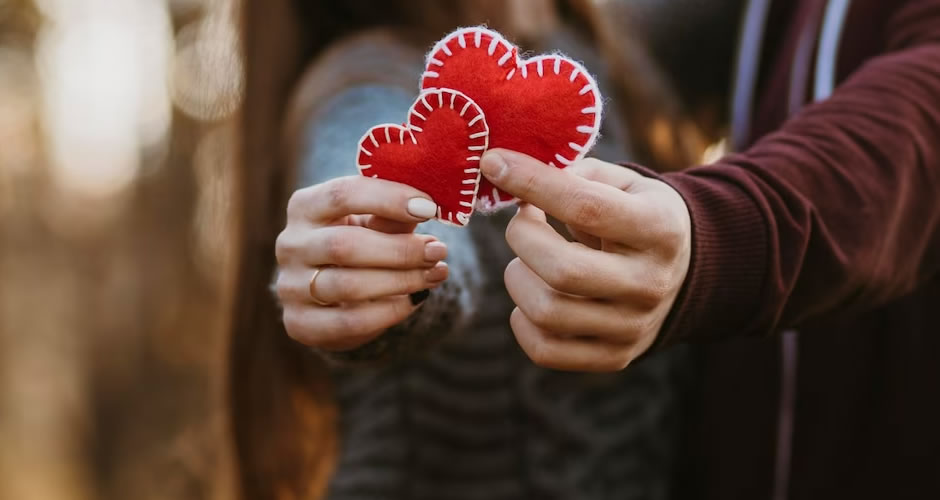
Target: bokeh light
x: 103, y: 66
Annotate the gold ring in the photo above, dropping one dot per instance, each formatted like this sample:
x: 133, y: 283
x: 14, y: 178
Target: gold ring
x: 313, y: 289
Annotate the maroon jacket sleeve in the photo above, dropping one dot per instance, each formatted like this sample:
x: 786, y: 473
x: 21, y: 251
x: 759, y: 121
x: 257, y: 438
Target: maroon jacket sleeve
x: 837, y: 212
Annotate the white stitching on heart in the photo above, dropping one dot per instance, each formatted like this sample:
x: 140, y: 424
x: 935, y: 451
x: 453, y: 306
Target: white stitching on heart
x: 509, y: 51
x: 480, y: 142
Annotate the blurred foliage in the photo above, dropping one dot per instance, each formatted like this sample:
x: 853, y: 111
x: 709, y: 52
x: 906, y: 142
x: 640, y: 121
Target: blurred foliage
x: 115, y: 257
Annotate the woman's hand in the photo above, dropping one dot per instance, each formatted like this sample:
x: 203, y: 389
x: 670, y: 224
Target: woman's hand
x: 358, y: 232
x: 598, y: 303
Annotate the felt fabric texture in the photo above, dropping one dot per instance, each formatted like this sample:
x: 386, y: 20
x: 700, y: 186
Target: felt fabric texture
x: 437, y: 151
x: 548, y: 106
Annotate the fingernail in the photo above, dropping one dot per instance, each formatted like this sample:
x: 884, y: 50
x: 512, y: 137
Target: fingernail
x: 419, y: 297
x: 422, y: 208
x: 435, y: 251
x: 437, y: 273
x: 493, y: 165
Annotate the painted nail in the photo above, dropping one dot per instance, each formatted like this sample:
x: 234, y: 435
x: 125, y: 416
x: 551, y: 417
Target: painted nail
x: 435, y: 251
x: 419, y: 297
x: 422, y: 208
x: 437, y: 273
x: 493, y: 165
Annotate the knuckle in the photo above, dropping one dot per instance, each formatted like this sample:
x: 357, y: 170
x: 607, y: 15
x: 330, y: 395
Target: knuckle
x: 297, y: 200
x: 566, y: 274
x: 542, y: 311
x: 529, y: 183
x: 541, y: 356
x: 637, y: 325
x: 654, y: 290
x: 671, y: 238
x: 284, y: 249
x: 587, y: 167
x: 512, y: 227
x: 336, y: 247
x: 337, y: 191
x: 282, y: 288
x: 619, y: 360
x: 295, y: 325
x: 588, y: 208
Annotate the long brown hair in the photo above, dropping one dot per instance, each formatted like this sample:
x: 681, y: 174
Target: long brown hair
x: 282, y: 414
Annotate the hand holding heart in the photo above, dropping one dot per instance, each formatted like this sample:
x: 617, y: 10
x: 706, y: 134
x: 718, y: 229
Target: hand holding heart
x: 358, y: 232
x: 598, y: 303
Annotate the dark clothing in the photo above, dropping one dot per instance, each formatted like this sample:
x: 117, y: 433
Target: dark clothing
x: 828, y: 224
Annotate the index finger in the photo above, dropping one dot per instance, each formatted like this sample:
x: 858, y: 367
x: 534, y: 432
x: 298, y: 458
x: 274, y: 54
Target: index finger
x: 593, y: 207
x: 361, y: 195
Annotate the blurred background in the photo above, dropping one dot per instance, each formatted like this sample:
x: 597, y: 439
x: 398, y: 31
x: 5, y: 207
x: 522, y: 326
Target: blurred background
x: 117, y: 133
x: 120, y: 126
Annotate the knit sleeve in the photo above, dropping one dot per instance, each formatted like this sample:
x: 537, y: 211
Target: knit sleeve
x: 836, y: 213
x: 327, y: 150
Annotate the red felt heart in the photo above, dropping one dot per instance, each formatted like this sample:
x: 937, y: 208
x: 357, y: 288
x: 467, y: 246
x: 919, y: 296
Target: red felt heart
x: 548, y: 106
x: 437, y: 151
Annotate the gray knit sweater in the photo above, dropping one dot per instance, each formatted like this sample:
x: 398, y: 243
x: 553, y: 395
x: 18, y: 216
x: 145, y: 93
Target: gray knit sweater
x: 455, y: 410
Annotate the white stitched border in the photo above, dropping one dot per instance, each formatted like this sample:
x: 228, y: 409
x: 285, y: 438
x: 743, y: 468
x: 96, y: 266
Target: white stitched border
x: 577, y: 75
x: 480, y: 143
x: 564, y: 161
x: 492, y: 47
x: 431, y: 74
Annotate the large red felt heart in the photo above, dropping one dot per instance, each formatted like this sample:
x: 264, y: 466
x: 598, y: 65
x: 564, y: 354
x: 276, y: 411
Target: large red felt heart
x: 548, y: 107
x: 437, y: 151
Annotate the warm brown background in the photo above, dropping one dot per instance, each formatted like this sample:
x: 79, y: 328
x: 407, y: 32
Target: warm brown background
x: 117, y: 136
x: 125, y: 194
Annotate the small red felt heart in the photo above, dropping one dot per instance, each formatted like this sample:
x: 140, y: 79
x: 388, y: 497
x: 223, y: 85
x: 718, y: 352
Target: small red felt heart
x: 548, y: 107
x: 437, y: 151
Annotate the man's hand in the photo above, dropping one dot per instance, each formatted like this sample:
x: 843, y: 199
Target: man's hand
x: 598, y: 303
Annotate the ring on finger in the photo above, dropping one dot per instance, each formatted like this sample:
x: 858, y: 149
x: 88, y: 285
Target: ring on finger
x: 313, y: 289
